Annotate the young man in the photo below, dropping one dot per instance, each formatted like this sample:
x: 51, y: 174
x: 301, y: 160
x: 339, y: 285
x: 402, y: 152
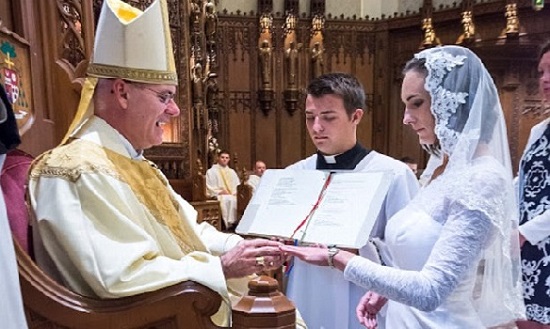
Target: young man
x: 106, y: 222
x: 222, y: 182
x: 334, y: 108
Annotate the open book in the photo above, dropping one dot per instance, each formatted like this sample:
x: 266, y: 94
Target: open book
x: 313, y: 206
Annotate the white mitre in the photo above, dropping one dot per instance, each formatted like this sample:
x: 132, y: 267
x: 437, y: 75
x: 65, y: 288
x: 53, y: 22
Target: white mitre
x: 130, y: 44
x: 133, y: 45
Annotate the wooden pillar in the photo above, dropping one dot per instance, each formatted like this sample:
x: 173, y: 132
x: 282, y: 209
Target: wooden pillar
x: 264, y: 307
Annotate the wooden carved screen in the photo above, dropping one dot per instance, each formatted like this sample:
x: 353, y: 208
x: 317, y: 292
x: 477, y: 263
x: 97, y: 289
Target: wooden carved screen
x: 375, y: 50
x: 265, y: 121
x: 510, y: 61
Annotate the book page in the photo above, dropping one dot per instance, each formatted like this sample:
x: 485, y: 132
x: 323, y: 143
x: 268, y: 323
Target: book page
x: 348, y: 210
x: 281, y: 202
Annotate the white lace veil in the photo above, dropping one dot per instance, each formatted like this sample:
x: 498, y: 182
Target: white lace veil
x: 469, y: 123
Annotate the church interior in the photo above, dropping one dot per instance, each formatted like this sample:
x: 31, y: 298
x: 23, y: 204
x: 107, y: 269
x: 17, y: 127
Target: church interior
x: 243, y: 67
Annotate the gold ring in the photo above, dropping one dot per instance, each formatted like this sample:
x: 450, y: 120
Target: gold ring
x: 260, y: 261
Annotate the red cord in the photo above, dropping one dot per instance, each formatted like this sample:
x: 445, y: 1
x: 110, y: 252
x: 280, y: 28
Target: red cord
x: 315, y: 206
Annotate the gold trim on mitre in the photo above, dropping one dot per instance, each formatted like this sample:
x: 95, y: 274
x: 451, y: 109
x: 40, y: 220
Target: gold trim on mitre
x: 150, y: 76
x: 129, y: 44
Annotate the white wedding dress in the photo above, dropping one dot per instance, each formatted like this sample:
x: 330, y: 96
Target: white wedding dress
x: 440, y: 238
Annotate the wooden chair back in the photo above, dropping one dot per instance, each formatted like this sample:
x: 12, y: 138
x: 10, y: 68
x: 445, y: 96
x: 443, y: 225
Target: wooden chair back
x: 244, y: 193
x: 199, y: 183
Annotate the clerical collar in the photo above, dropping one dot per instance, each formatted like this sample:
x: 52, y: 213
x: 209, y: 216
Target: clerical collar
x: 347, y: 160
x: 134, y: 154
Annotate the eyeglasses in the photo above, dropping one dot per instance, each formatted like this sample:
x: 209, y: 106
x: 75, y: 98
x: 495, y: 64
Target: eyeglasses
x: 164, y: 97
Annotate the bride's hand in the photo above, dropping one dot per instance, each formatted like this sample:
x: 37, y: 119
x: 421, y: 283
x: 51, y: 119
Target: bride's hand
x: 318, y: 255
x: 368, y: 307
x: 314, y: 255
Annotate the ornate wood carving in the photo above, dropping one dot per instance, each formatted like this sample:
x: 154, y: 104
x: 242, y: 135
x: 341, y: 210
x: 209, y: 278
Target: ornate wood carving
x: 244, y: 194
x: 355, y: 45
x: 469, y: 34
x: 316, y: 44
x: 343, y: 39
x: 236, y: 36
x: 536, y: 108
x: 291, y: 6
x: 512, y: 20
x: 265, y: 6
x: 429, y: 38
x: 208, y: 211
x: 265, y: 98
x: 292, y: 54
x: 67, y: 34
x: 169, y: 159
x: 72, y: 43
x: 317, y: 7
x: 533, y: 105
x: 265, y: 57
x: 240, y: 101
x: 203, y: 24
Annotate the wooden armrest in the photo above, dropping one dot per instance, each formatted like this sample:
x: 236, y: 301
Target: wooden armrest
x: 184, y: 305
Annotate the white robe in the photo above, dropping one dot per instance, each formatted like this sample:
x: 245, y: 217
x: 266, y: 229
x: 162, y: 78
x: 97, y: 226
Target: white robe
x: 215, y: 184
x: 254, y: 181
x: 11, y: 304
x: 96, y: 236
x: 437, y: 242
x: 324, y: 297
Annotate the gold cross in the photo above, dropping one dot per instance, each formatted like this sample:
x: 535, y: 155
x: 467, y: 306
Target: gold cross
x: 8, y: 61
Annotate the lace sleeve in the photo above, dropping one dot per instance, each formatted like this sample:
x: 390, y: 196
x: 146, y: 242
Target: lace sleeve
x: 466, y: 230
